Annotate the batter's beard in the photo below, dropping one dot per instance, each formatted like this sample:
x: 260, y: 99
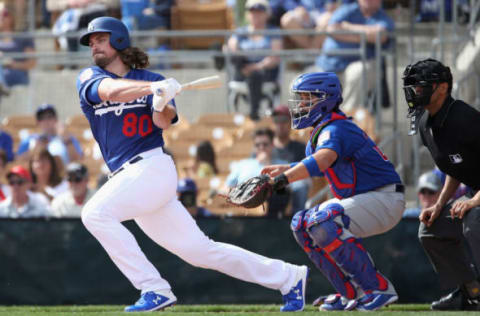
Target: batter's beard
x: 103, y: 62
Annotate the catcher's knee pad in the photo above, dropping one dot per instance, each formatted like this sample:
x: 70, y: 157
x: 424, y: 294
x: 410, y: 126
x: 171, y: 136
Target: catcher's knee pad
x: 320, y: 258
x: 328, y: 228
x: 323, y: 226
x: 297, y: 221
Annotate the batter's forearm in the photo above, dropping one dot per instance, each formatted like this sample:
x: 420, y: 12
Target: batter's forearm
x: 164, y: 119
x: 123, y: 90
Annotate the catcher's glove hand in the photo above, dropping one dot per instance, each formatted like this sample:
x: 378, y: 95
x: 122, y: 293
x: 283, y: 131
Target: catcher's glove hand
x: 251, y: 193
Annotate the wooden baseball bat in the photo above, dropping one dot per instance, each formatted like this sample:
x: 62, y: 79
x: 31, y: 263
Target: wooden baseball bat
x: 211, y: 82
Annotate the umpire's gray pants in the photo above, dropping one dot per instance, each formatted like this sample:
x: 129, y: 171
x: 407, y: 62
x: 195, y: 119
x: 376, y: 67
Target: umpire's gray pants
x: 453, y: 246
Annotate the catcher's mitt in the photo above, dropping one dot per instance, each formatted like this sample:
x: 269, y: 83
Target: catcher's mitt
x: 251, y: 193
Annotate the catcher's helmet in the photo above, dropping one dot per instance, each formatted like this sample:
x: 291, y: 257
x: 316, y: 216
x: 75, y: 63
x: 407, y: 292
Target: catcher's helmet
x: 418, y: 80
x: 119, y: 37
x: 324, y: 93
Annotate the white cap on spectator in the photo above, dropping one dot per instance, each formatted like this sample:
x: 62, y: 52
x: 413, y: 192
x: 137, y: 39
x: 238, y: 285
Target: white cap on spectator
x: 429, y: 180
x: 258, y: 5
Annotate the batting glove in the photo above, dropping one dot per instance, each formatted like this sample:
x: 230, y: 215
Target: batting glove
x: 163, y: 92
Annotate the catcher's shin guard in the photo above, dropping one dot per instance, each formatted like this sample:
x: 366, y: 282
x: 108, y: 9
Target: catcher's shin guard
x: 322, y: 260
x: 328, y: 228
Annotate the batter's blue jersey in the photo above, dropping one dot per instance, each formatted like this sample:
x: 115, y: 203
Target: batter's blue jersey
x: 123, y: 130
x: 361, y: 166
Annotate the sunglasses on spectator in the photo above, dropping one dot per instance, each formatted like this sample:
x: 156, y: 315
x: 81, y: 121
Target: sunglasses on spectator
x: 75, y: 179
x: 16, y: 182
x: 427, y: 192
x: 46, y: 116
x: 262, y: 144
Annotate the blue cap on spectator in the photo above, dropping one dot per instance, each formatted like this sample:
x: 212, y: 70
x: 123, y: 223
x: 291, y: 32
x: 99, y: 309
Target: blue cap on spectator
x: 186, y: 185
x: 44, y: 109
x: 429, y: 180
x: 262, y: 5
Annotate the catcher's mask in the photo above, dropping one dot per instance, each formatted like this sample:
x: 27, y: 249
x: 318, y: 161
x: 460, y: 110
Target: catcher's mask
x: 418, y: 86
x: 312, y: 96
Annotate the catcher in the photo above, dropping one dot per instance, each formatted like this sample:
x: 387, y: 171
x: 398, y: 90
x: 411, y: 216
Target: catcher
x: 369, y: 197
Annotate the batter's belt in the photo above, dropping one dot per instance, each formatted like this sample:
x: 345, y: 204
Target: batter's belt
x: 136, y: 159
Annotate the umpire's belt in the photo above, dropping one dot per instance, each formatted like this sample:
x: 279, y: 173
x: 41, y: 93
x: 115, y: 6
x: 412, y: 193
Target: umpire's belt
x: 136, y: 159
x: 399, y: 188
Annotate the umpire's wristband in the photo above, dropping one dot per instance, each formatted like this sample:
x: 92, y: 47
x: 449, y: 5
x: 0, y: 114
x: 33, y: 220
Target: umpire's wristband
x: 280, y: 182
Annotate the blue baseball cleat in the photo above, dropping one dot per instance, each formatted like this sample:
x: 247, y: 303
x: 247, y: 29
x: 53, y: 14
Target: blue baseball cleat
x: 295, y: 299
x: 337, y: 302
x: 374, y: 301
x: 153, y: 301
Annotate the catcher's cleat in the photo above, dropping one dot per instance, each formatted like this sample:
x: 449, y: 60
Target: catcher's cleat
x: 153, y: 301
x: 374, y: 301
x: 295, y: 299
x: 337, y: 302
x: 320, y: 300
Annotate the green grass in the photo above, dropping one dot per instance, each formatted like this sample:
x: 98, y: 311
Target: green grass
x: 213, y: 310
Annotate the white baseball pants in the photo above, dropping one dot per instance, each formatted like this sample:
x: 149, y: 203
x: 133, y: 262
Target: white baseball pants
x: 146, y: 192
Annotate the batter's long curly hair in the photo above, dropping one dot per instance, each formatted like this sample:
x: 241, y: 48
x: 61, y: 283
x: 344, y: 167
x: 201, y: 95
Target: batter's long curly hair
x: 134, y: 57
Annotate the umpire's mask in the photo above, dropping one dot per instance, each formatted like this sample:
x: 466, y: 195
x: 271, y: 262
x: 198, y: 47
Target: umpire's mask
x: 418, y: 80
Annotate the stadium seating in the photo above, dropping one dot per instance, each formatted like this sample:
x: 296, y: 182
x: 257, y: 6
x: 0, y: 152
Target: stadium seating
x: 200, y: 15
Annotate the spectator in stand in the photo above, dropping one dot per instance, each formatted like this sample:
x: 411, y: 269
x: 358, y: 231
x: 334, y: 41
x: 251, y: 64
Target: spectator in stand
x: 255, y: 69
x: 52, y: 136
x: 4, y: 190
x: 187, y: 195
x: 146, y: 14
x: 245, y: 169
x: 290, y: 151
x: 278, y: 9
x: 22, y: 202
x: 429, y: 187
x: 70, y: 16
x: 204, y: 165
x: 6, y: 144
x: 13, y: 71
x: 71, y: 202
x: 309, y: 14
x: 46, y: 174
x: 367, y: 17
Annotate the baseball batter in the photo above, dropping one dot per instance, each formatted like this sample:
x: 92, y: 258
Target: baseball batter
x: 369, y: 197
x: 128, y: 108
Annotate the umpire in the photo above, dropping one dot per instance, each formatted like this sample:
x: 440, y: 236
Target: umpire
x: 449, y: 231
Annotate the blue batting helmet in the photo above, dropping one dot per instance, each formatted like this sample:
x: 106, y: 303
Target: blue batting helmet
x: 119, y: 38
x: 313, y: 95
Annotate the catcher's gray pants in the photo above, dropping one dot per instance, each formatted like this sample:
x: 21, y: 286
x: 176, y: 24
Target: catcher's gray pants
x: 453, y: 246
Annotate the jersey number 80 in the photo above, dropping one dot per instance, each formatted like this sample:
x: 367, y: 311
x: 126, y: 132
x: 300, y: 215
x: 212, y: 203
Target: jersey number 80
x: 132, y: 125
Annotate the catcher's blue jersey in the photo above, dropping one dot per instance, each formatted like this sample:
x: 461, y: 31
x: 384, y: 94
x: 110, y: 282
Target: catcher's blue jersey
x: 361, y: 166
x: 123, y: 130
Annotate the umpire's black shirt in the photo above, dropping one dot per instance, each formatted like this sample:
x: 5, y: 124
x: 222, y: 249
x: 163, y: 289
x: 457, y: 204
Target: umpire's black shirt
x: 452, y: 136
